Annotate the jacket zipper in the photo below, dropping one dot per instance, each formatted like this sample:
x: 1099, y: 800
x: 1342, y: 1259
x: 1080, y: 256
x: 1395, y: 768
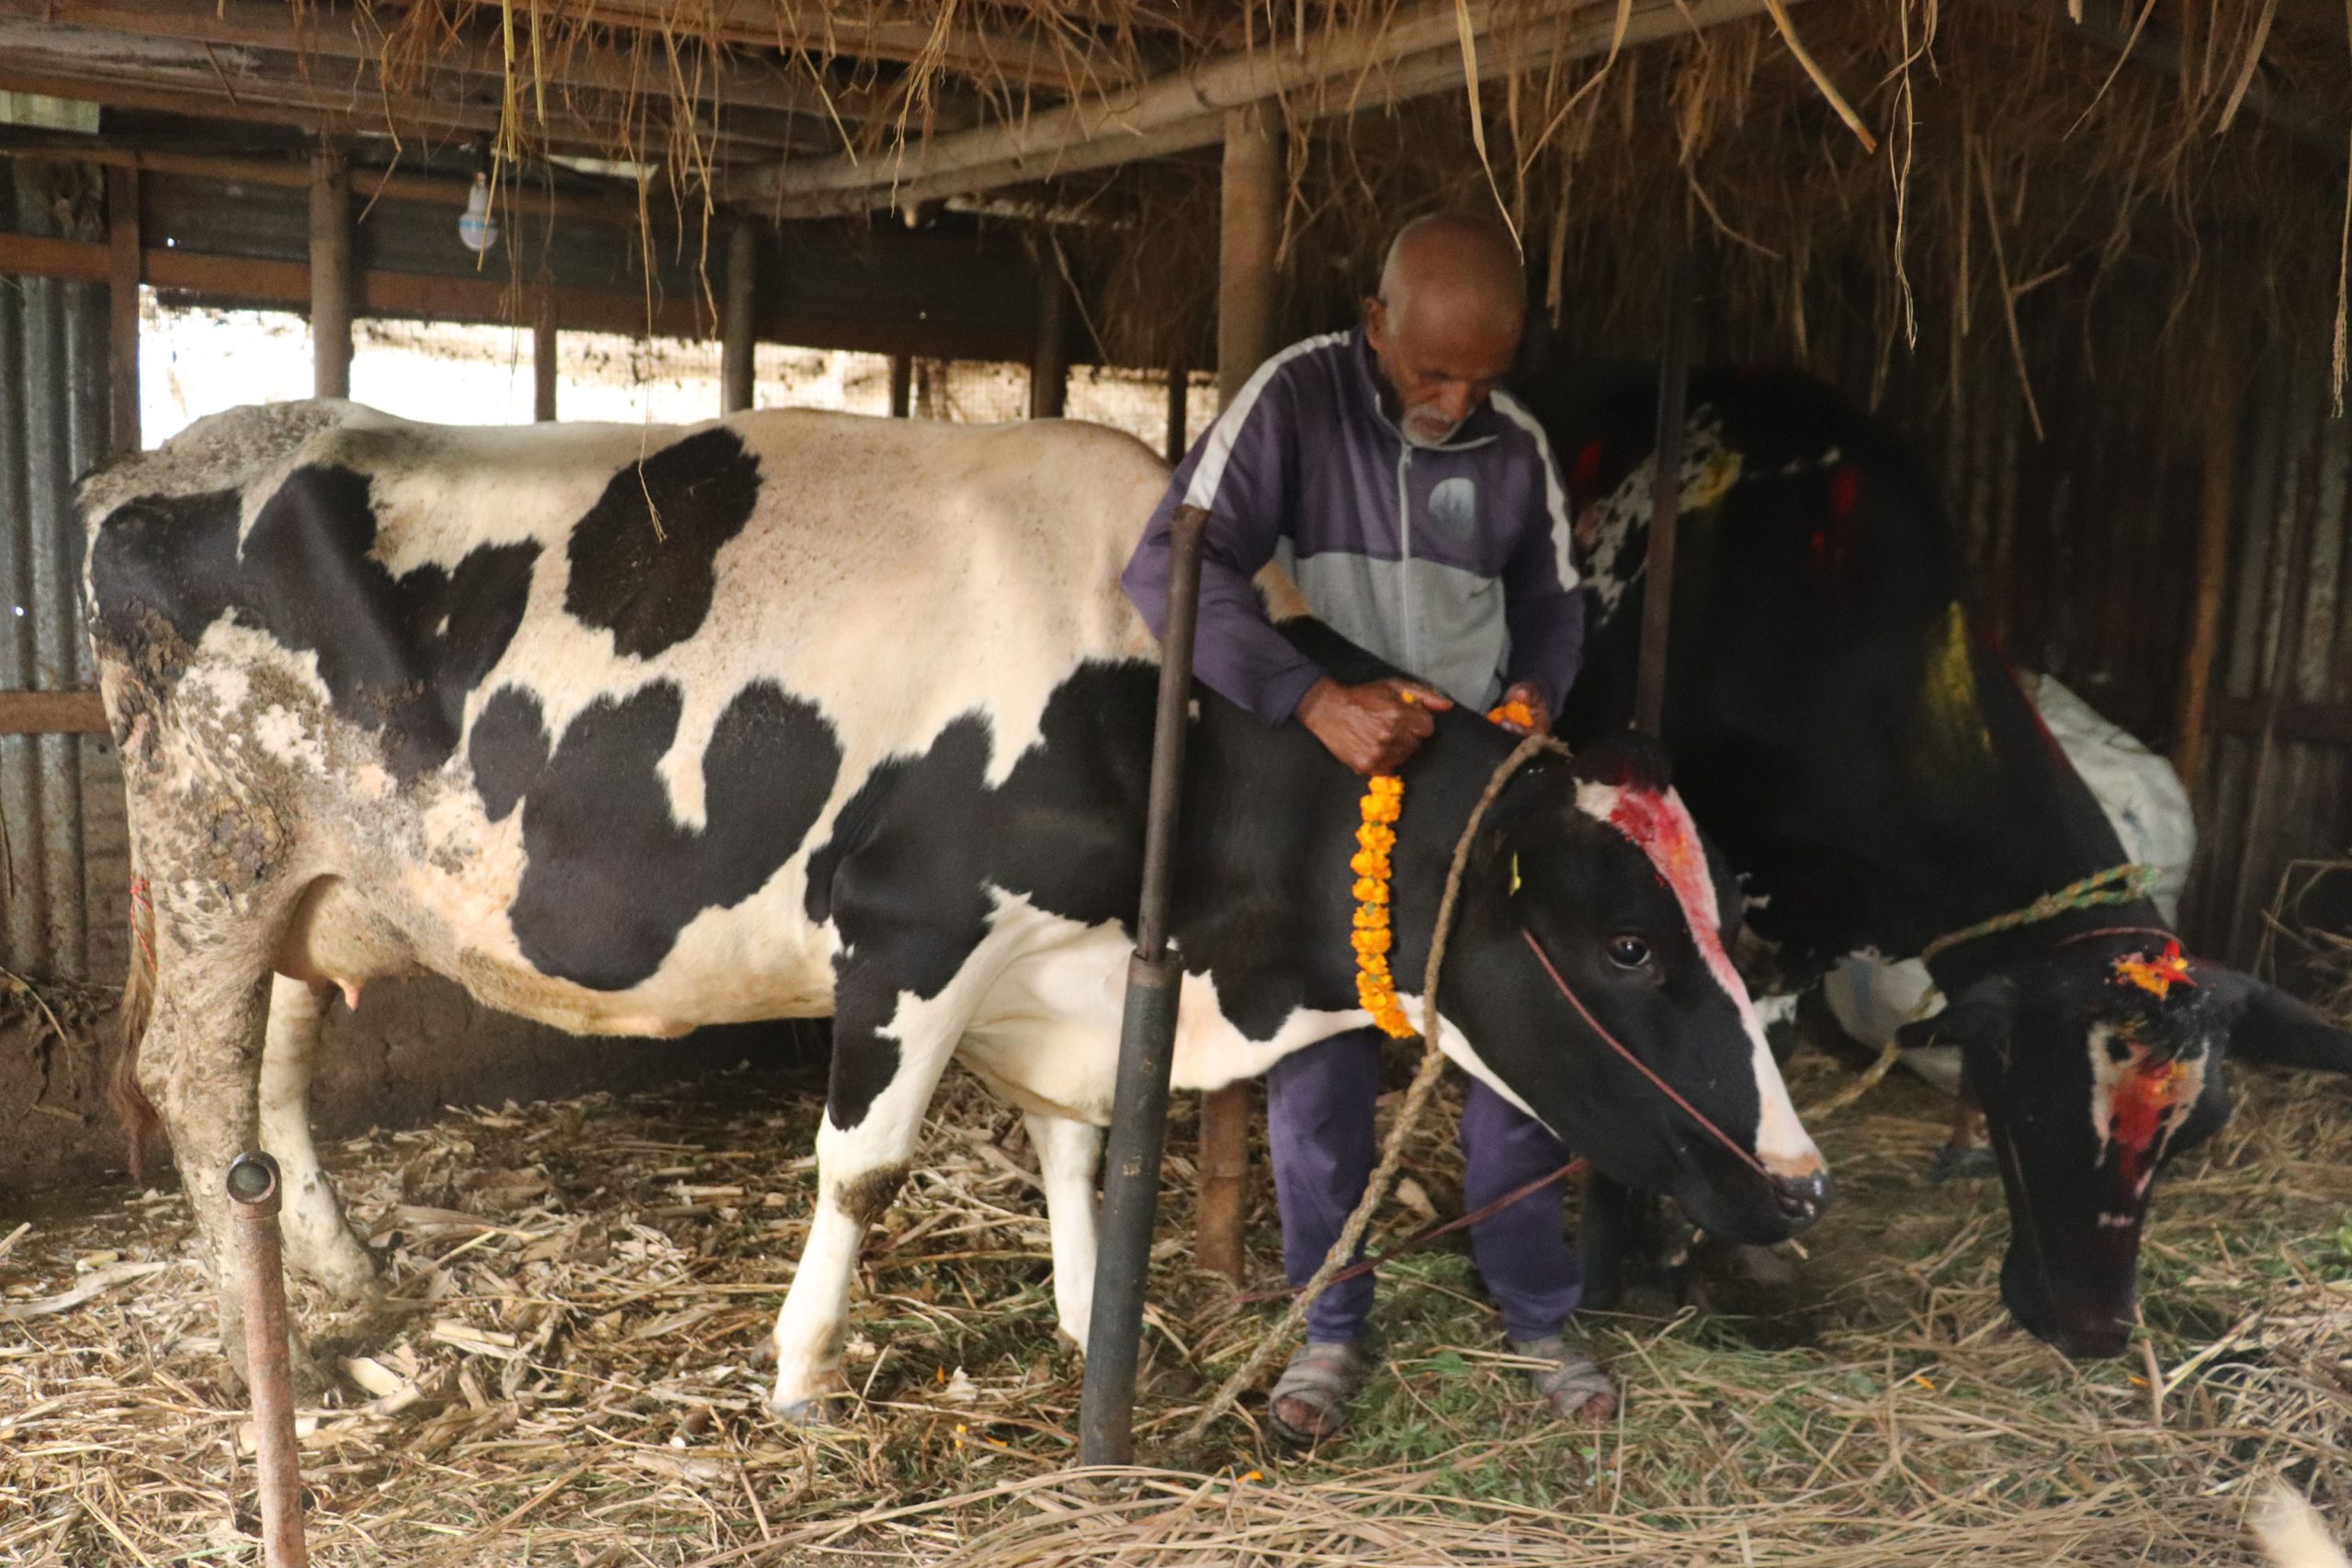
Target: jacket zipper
x: 1405, y: 564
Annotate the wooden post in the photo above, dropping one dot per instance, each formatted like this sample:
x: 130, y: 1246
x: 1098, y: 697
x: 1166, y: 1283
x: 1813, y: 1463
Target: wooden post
x: 735, y: 343
x: 2223, y: 409
x: 902, y: 385
x: 329, y: 274
x: 1249, y: 230
x: 546, y: 365
x: 1666, y: 501
x: 1049, y: 364
x: 123, y: 274
x: 1179, y: 388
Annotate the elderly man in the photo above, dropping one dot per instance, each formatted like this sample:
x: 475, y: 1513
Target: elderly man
x: 1419, y: 508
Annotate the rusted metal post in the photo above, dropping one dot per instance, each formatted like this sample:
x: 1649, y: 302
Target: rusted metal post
x: 331, y: 277
x: 1666, y: 501
x: 253, y: 1189
x: 736, y: 339
x: 1249, y: 234
x: 1146, y: 1046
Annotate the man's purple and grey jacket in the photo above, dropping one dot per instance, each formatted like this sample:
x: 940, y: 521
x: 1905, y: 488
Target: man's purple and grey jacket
x: 1450, y: 562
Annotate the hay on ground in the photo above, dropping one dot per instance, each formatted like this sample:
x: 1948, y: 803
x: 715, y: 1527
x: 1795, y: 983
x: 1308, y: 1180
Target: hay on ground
x: 577, y: 1374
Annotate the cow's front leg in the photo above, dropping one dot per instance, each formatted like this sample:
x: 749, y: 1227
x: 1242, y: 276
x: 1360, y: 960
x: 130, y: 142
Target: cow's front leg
x: 882, y: 1083
x: 1067, y: 1155
x: 318, y: 1244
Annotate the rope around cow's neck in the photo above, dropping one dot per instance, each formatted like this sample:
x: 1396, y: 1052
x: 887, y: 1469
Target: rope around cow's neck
x: 1417, y: 1097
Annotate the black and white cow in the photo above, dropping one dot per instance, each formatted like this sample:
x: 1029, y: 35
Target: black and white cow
x: 1869, y: 764
x: 634, y: 730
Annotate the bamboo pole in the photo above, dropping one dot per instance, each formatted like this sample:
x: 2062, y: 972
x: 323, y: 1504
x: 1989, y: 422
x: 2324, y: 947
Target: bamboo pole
x: 1412, y: 55
x: 546, y: 359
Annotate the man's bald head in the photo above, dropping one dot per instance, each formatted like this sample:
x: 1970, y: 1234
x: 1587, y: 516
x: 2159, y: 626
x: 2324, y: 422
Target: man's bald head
x: 1446, y: 324
x: 1453, y: 267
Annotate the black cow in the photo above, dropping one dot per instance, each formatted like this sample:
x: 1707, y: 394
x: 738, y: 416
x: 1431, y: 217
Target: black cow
x: 633, y: 728
x: 1871, y: 767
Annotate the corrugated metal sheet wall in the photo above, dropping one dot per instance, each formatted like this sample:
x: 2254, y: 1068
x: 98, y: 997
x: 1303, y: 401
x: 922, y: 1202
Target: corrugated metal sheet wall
x: 2278, y: 787
x: 63, y: 863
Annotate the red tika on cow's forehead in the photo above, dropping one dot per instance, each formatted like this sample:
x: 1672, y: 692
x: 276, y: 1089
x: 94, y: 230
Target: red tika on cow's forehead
x: 1658, y: 823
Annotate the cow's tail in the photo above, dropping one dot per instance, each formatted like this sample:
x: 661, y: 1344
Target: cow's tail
x: 140, y: 1125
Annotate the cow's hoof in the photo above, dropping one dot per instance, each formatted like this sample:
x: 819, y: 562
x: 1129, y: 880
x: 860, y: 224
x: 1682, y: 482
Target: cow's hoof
x: 810, y: 1414
x: 1961, y: 1165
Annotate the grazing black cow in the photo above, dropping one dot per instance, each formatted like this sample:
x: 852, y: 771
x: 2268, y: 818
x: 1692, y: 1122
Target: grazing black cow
x: 632, y: 729
x: 1869, y: 764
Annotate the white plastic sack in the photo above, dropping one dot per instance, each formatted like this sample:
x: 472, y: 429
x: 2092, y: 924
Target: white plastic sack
x: 2141, y: 797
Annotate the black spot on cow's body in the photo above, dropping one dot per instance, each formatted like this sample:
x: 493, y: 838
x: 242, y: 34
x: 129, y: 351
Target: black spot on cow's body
x: 398, y: 655
x: 508, y: 748
x: 643, y: 560
x: 612, y: 877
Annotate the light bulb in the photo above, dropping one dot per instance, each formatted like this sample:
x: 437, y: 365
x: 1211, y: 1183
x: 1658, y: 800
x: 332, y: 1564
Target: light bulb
x: 476, y: 227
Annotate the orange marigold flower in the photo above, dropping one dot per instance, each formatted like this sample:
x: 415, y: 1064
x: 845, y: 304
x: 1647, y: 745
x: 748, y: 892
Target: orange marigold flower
x: 1371, y: 890
x: 1372, y: 917
x: 1364, y: 862
x: 1371, y: 941
x: 1375, y: 838
x: 1516, y: 712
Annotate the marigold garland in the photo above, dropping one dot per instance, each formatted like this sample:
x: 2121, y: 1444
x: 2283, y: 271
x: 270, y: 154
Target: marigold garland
x: 1384, y: 802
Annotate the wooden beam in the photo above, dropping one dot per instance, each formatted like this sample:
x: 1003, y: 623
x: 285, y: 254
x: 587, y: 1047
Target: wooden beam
x: 1049, y: 364
x: 369, y: 184
x: 1250, y: 221
x: 356, y: 35
x: 52, y: 713
x: 868, y: 32
x: 285, y: 285
x: 1409, y: 56
x: 330, y: 288
x: 737, y: 372
x: 902, y: 385
x: 124, y: 266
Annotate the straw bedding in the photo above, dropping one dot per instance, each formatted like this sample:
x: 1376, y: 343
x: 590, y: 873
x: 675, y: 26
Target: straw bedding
x: 573, y: 1376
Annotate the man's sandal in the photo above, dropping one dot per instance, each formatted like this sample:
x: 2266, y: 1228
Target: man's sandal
x: 1310, y: 1399
x: 1570, y: 1381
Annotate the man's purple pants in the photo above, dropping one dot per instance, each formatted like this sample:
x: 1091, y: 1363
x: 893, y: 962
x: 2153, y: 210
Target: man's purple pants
x: 1319, y: 1104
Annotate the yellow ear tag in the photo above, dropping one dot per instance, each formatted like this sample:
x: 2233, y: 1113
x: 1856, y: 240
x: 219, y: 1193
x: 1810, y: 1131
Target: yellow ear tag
x: 1514, y: 872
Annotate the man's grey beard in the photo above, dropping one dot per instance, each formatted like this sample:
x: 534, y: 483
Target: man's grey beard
x: 1415, y: 427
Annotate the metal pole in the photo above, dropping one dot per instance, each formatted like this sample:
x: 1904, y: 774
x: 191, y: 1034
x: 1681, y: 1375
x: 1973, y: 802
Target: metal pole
x: 1147, y: 1047
x: 1666, y: 501
x: 253, y: 1186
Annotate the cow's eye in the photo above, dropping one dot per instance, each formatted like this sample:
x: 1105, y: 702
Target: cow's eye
x: 1629, y: 951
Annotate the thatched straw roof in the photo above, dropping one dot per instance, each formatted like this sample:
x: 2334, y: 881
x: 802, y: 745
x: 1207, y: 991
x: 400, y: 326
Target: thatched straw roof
x: 1915, y: 168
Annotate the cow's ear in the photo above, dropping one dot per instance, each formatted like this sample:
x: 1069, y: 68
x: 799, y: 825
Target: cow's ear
x: 1981, y: 1018
x: 2276, y: 1029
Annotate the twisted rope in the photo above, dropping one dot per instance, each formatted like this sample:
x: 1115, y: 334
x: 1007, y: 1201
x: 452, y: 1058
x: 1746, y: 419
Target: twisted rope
x: 2136, y: 882
x: 1417, y: 1098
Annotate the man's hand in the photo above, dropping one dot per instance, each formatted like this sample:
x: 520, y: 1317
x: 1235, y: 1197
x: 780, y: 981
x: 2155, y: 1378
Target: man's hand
x: 1525, y: 691
x: 1374, y: 728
